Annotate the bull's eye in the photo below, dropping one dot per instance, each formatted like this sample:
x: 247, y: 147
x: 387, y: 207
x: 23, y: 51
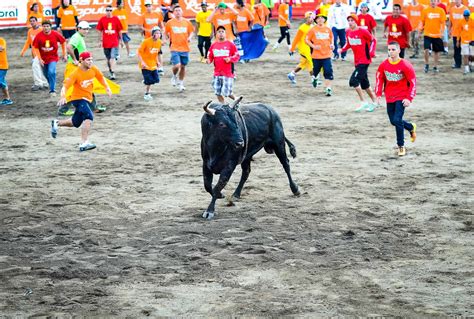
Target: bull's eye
x: 222, y: 125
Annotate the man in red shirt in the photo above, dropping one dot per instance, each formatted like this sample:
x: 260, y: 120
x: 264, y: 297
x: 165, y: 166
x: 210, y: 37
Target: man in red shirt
x: 223, y: 53
x: 45, y: 47
x: 398, y: 28
x: 366, y: 20
x: 109, y: 27
x: 363, y: 46
x: 396, y: 78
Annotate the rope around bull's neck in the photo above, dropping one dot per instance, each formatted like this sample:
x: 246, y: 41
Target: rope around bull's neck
x: 244, y: 153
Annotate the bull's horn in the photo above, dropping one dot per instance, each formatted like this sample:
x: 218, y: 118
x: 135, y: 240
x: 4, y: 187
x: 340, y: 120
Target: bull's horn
x: 236, y: 102
x: 208, y: 110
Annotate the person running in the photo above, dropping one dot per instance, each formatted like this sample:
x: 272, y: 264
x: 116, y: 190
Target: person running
x: 45, y: 47
x: 413, y: 14
x: 432, y: 24
x: 122, y: 14
x: 149, y: 61
x: 337, y: 21
x: 397, y: 28
x: 221, y: 17
x: 455, y: 18
x: 81, y: 81
x: 39, y: 81
x: 243, y: 19
x: 299, y: 42
x: 261, y: 15
x: 223, y: 53
x: 109, y: 28
x: 366, y: 20
x: 396, y: 78
x: 179, y: 31
x: 3, y: 73
x: 320, y: 39
x: 68, y: 20
x: 151, y: 19
x: 363, y: 46
x: 465, y: 40
x: 204, y: 31
x: 284, y: 24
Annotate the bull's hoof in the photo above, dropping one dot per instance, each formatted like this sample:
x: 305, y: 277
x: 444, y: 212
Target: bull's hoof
x: 208, y: 215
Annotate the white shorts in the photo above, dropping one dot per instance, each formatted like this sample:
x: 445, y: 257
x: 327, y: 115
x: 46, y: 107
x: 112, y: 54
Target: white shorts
x: 467, y: 49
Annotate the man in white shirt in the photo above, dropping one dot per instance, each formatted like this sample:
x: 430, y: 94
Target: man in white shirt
x: 337, y: 21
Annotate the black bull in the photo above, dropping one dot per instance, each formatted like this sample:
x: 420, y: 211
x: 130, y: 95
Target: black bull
x: 232, y: 136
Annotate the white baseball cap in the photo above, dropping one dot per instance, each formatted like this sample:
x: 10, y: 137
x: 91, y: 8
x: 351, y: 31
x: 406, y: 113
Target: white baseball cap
x: 83, y: 25
x: 147, y: 3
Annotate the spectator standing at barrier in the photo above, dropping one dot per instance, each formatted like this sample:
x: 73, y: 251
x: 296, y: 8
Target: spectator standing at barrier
x: 465, y: 40
x: 222, y: 17
x: 204, y: 31
x: 223, y: 54
x: 396, y: 78
x: 363, y: 46
x: 109, y: 28
x: 148, y: 53
x: 35, y: 12
x: 433, y: 21
x: 179, y: 31
x: 366, y: 20
x: 413, y: 14
x: 45, y: 47
x: 68, y: 20
x: 39, y: 80
x: 337, y: 21
x: 3, y: 73
x: 397, y: 28
x: 284, y: 24
x: 122, y: 15
x: 455, y: 18
x: 81, y: 80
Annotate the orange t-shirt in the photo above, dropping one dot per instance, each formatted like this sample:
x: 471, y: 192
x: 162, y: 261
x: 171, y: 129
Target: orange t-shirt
x: 150, y: 20
x: 323, y: 37
x: 40, y: 6
x: 224, y: 20
x: 465, y: 30
x: 148, y: 51
x: 67, y: 16
x: 3, y: 55
x: 283, y: 14
x: 30, y: 36
x: 413, y: 14
x: 82, y: 83
x: 456, y: 17
x: 179, y: 32
x: 261, y: 14
x: 122, y: 15
x: 433, y: 20
x: 243, y: 19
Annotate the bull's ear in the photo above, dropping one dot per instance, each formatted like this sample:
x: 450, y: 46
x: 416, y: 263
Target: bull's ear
x: 208, y: 110
x: 235, y: 104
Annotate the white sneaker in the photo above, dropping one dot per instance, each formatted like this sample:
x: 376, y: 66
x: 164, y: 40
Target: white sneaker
x: 148, y: 97
x: 363, y: 106
x: 181, y: 87
x: 86, y: 146
x: 54, y: 128
x: 161, y: 71
x: 131, y: 55
x: 174, y: 80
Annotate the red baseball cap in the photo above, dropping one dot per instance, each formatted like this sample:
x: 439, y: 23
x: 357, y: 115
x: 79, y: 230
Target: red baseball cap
x: 85, y: 55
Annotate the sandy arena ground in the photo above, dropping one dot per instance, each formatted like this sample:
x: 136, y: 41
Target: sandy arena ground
x: 117, y: 231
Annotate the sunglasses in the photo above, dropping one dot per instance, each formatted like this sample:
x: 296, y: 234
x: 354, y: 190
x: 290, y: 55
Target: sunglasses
x: 109, y: 10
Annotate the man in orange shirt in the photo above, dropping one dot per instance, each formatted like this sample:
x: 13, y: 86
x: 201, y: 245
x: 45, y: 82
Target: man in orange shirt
x: 151, y: 19
x: 433, y: 21
x: 149, y: 62
x: 261, y: 14
x: 455, y: 18
x: 221, y: 17
x: 243, y: 19
x: 320, y: 39
x: 3, y: 73
x: 82, y: 82
x: 465, y: 29
x: 179, y: 31
x: 68, y: 21
x: 284, y: 24
x: 121, y: 13
x: 413, y: 13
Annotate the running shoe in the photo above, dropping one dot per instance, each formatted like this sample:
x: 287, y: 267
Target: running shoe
x: 54, y: 128
x: 328, y: 91
x: 363, y: 106
x: 371, y: 107
x: 112, y: 75
x: 427, y: 68
x: 161, y: 71
x: 174, y: 80
x: 65, y: 111
x: 413, y: 133
x: 343, y: 59
x: 86, y: 146
x: 52, y: 94
x: 435, y: 70
x: 291, y: 76
x: 147, y: 97
x: 100, y: 108
x: 466, y: 70
x: 181, y: 87
x: 314, y: 81
x: 6, y: 102
x: 454, y: 66
x: 131, y: 55
x: 414, y: 56
x: 35, y: 88
x: 402, y: 151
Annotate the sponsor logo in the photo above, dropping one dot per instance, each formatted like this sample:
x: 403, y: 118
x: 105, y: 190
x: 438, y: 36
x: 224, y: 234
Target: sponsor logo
x: 394, y: 77
x: 91, y: 7
x: 221, y: 53
x: 322, y: 36
x: 241, y: 18
x: 223, y: 21
x: 395, y: 34
x: 178, y: 30
x: 150, y: 21
x: 415, y: 13
x: 457, y: 16
x: 432, y: 15
x: 355, y: 41
x: 86, y: 83
x: 9, y: 14
x: 154, y: 51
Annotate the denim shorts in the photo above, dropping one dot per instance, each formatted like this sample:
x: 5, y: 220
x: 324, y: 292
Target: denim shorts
x: 179, y: 58
x: 111, y: 53
x: 3, y: 81
x: 223, y: 85
x: 125, y: 37
x: 82, y: 112
x: 150, y: 77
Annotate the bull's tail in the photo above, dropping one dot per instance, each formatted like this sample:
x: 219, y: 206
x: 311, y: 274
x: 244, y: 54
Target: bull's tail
x: 291, y: 147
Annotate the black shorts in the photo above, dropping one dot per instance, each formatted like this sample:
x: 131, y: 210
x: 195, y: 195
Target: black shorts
x: 68, y: 33
x: 111, y: 53
x: 435, y: 44
x: 150, y: 77
x: 327, y: 68
x: 359, y: 77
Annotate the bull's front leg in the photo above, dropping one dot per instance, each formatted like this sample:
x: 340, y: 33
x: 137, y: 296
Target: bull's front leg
x: 207, y: 176
x: 217, y: 191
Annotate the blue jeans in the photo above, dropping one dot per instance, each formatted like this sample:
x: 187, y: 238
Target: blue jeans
x: 341, y: 34
x: 395, y: 112
x: 49, y: 71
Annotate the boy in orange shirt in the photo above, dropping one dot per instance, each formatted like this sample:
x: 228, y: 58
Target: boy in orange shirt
x: 149, y: 61
x: 413, y: 12
x: 284, y: 24
x: 433, y: 21
x: 82, y: 82
x: 3, y: 72
x: 465, y: 40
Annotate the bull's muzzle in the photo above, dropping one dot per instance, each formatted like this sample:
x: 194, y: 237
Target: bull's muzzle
x: 239, y: 144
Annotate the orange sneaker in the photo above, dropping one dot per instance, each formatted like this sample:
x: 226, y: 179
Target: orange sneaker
x: 413, y: 133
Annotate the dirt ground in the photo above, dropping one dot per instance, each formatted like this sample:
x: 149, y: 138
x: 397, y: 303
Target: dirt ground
x: 117, y: 231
